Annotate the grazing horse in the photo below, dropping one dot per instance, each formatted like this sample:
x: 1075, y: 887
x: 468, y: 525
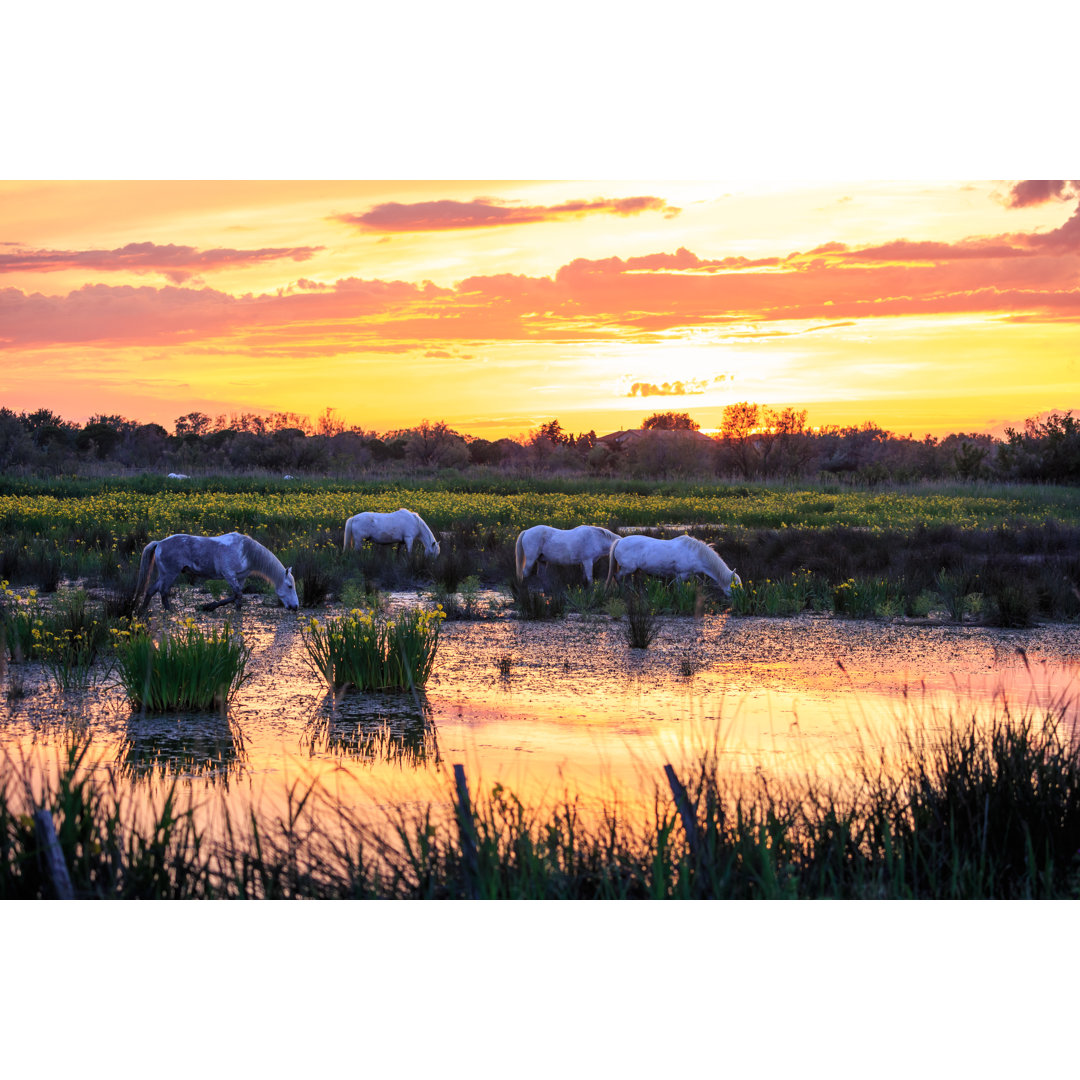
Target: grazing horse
x: 233, y: 557
x: 684, y: 556
x: 583, y: 545
x: 400, y: 527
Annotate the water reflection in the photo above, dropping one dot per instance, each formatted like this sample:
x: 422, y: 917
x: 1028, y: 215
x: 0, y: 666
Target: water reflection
x: 206, y: 746
x: 373, y: 729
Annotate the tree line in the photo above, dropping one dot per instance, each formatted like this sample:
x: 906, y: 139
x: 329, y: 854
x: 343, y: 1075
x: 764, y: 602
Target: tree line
x: 754, y: 442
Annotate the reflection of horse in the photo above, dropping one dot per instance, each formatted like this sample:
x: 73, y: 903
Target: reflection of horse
x: 583, y: 545
x: 204, y: 745
x: 400, y: 527
x: 233, y: 557
x: 684, y: 556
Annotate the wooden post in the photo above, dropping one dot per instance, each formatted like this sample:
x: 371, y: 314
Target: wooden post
x: 55, y: 867
x: 467, y: 829
x: 682, y: 803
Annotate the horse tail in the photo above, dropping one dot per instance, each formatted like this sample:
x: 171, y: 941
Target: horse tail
x: 146, y: 565
x: 348, y: 536
x: 611, y: 565
x: 519, y: 555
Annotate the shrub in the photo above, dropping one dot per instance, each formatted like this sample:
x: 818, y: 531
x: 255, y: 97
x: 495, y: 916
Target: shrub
x: 955, y: 589
x: 864, y: 598
x: 642, y: 625
x: 532, y: 604
x: 775, y: 598
x: 318, y: 573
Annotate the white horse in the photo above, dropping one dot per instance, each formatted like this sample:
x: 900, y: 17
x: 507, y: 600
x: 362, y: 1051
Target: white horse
x: 683, y: 556
x: 400, y: 527
x: 583, y: 545
x: 233, y: 557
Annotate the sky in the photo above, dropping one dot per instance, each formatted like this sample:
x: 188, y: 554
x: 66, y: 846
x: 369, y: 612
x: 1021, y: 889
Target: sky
x: 926, y: 308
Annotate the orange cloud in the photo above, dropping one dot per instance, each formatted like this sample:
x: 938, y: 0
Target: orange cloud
x: 1028, y: 276
x: 672, y: 389
x: 442, y: 214
x: 177, y: 262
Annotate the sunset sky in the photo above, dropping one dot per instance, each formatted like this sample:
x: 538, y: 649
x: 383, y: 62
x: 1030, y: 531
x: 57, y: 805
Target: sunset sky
x: 496, y: 306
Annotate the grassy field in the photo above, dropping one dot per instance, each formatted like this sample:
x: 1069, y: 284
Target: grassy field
x: 81, y: 508
x: 1013, y: 550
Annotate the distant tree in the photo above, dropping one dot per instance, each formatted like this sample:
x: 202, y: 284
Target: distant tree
x: 968, y: 460
x: 483, y: 452
x: 1047, y: 449
x: 283, y: 421
x: 16, y: 446
x: 738, y: 421
x: 670, y: 421
x: 144, y: 446
x: 47, y: 428
x: 436, y: 446
x: 551, y: 432
x: 329, y: 424
x: 192, y: 423
x: 776, y: 438
x: 102, y: 434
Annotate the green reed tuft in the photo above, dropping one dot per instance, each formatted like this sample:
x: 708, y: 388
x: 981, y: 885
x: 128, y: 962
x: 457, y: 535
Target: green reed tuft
x: 367, y: 651
x: 188, y: 670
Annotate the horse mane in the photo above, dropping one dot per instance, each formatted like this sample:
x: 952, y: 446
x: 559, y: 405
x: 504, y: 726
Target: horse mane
x: 425, y: 531
x: 263, y: 562
x: 708, y: 554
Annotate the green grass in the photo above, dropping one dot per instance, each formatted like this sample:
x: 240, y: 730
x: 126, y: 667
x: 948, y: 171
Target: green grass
x: 67, y: 637
x: 799, y: 592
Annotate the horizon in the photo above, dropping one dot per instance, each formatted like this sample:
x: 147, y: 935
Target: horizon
x: 496, y: 306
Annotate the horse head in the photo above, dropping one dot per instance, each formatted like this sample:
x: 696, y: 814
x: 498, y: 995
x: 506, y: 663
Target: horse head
x: 287, y: 591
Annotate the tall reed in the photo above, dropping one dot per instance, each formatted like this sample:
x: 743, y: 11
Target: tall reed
x: 367, y: 651
x: 982, y: 810
x: 187, y: 670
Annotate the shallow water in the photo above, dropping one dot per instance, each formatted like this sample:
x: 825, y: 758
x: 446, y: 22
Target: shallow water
x: 571, y: 711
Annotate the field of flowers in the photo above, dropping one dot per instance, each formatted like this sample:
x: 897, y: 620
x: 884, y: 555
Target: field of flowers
x: 109, y: 515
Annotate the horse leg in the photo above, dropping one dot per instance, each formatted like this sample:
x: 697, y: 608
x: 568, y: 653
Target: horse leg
x: 162, y: 586
x: 586, y: 567
x: 237, y: 587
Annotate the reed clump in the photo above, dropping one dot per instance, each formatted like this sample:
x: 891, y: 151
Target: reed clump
x: 187, y: 670
x: 368, y: 651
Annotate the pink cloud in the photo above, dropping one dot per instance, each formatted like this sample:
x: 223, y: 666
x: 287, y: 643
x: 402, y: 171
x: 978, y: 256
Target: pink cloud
x: 1034, y: 192
x: 1026, y: 275
x: 177, y: 262
x: 443, y: 214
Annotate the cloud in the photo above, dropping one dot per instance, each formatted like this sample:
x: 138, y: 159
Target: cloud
x: 1034, y: 192
x: 445, y: 214
x: 643, y: 298
x: 176, y: 262
x: 672, y: 389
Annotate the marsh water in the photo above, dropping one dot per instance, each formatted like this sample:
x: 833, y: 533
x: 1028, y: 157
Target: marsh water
x: 556, y: 709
